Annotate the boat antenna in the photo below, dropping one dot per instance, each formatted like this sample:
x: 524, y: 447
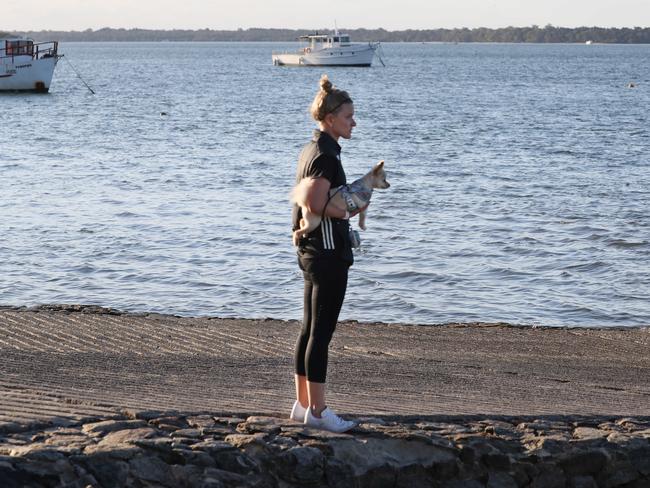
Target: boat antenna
x: 79, y: 76
x: 336, y: 29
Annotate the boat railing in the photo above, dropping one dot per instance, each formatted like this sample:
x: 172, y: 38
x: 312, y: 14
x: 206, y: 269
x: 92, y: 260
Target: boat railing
x: 309, y: 49
x: 37, y: 50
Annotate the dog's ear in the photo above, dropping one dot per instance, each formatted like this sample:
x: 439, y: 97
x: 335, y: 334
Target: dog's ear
x: 378, y: 167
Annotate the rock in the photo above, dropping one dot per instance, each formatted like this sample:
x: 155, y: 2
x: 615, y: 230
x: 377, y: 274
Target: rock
x: 545, y: 446
x: 234, y: 421
x: 414, y: 475
x: 384, y: 476
x: 12, y: 478
x: 197, y: 458
x: 235, y: 461
x: 548, y: 476
x: 370, y: 421
x: 101, y: 428
x: 211, y: 483
x: 500, y: 429
x: 151, y: 469
x: 224, y: 478
x: 589, y: 433
x: 201, y: 421
x: 212, y: 446
x: 640, y: 459
x: 443, y: 428
x: 338, y: 474
x: 219, y: 430
x: 109, y: 472
x: 364, y: 455
x: 463, y: 484
x: 302, y: 465
x: 583, y: 463
x: 269, y: 425
x: 302, y: 431
x: 42, y: 468
x: 121, y: 451
x: 620, y: 473
x: 37, y: 452
x: 632, y: 424
x: 496, y: 461
x: 175, y: 420
x: 283, y: 442
x: 68, y: 443
x: 187, y: 476
x: 160, y: 444
x: 186, y: 433
x: 243, y: 440
x: 501, y: 480
x: 11, y: 427
x: 128, y: 436
x: 645, y: 434
x: 583, y: 482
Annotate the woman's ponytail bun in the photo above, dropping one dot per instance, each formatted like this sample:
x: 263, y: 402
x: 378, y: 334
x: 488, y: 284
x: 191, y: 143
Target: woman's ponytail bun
x: 328, y: 100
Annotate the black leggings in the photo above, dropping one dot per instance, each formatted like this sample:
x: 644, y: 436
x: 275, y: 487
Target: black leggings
x: 325, y: 284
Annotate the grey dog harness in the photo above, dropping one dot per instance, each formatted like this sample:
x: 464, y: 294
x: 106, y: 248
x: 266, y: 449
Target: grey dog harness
x: 361, y: 194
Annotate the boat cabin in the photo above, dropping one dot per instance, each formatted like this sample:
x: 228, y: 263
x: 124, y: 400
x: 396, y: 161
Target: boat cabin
x: 15, y: 46
x: 318, y: 42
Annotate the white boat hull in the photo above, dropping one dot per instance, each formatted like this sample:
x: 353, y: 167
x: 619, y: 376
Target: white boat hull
x: 27, y: 74
x: 349, y: 56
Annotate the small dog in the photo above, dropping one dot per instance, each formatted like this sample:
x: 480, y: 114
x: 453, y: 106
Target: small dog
x: 350, y: 197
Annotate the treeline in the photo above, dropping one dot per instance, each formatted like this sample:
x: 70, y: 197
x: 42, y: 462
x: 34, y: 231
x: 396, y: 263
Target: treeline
x: 534, y: 34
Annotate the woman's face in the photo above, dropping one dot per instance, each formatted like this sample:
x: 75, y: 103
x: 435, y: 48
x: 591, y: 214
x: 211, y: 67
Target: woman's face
x: 340, y: 124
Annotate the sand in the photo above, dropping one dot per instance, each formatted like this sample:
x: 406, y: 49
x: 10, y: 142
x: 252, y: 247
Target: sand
x: 77, y: 362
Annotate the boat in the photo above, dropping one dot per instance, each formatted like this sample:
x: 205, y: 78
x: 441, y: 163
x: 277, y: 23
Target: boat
x: 26, y: 65
x: 328, y: 50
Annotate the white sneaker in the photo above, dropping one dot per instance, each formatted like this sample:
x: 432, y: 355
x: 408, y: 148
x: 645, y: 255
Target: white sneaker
x: 328, y: 421
x: 298, y: 412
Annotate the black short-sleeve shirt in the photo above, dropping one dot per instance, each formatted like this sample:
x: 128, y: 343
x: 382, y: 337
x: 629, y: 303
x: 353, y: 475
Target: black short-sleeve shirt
x: 321, y: 158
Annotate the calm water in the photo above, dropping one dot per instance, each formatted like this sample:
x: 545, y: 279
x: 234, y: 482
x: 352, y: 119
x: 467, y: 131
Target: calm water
x: 520, y: 183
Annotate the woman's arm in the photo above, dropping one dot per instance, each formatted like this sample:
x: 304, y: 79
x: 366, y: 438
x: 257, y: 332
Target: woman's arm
x: 317, y: 195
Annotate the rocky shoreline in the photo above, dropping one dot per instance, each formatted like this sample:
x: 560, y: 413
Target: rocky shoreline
x: 171, y: 449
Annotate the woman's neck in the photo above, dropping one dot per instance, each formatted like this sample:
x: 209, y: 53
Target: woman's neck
x: 328, y: 131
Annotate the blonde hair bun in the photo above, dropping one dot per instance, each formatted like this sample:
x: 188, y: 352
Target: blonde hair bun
x: 328, y: 99
x: 326, y: 84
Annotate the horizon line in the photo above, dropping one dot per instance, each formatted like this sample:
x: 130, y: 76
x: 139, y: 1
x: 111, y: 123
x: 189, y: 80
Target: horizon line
x: 238, y: 29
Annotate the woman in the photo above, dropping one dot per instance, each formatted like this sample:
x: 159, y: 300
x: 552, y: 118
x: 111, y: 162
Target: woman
x: 324, y: 255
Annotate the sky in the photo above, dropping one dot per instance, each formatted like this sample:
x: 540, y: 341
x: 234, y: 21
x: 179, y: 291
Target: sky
x: 20, y: 15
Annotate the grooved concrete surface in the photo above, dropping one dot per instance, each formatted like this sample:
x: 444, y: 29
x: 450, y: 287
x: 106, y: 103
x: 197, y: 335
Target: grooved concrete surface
x: 81, y: 362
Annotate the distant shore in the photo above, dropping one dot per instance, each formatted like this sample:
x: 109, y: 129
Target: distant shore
x: 532, y: 34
